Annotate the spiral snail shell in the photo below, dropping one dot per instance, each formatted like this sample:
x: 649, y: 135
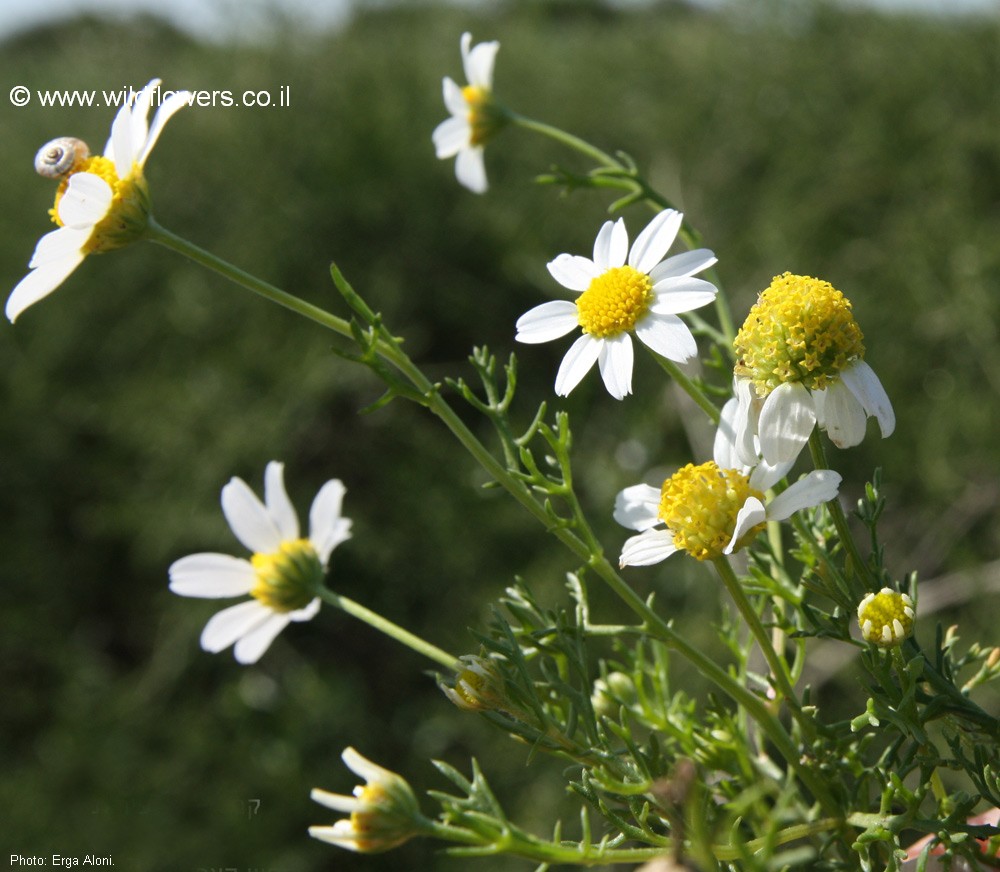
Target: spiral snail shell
x: 57, y: 158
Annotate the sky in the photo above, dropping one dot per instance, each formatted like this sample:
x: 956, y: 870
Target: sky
x: 243, y: 18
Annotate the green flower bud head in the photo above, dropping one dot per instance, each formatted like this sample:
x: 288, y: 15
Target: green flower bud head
x: 886, y: 617
x: 478, y: 687
x: 800, y: 329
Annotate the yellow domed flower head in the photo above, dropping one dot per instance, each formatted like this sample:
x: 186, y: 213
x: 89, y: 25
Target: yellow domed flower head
x: 715, y: 508
x: 800, y: 362
x: 282, y: 577
x: 102, y: 201
x: 886, y: 617
x: 622, y: 290
x: 476, y: 117
x: 384, y: 813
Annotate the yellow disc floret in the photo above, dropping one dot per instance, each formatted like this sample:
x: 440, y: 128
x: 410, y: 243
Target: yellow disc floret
x: 289, y: 578
x: 886, y: 617
x: 614, y: 302
x: 800, y: 330
x: 128, y: 214
x: 699, y: 505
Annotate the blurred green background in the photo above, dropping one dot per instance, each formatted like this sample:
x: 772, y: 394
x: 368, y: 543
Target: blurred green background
x: 861, y: 148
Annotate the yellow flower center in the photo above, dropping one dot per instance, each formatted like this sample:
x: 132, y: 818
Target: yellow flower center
x: 699, y: 505
x: 289, y: 578
x: 800, y: 330
x: 614, y: 301
x: 128, y: 213
x: 485, y: 117
x: 886, y: 617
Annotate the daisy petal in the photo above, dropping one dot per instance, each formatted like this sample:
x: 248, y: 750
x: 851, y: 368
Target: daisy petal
x: 861, y: 380
x: 479, y: 64
x: 647, y: 548
x: 668, y: 336
x: 41, y: 282
x: 225, y: 627
x: 57, y: 245
x: 577, y: 362
x: 786, y: 420
x: 140, y: 112
x: 766, y: 475
x: 470, y: 169
x: 454, y: 101
x: 654, y: 241
x: 681, y: 294
x: 336, y: 801
x: 746, y: 421
x: 251, y: 645
x: 546, y: 322
x: 124, y: 150
x: 211, y: 576
x: 450, y: 137
x: 611, y: 245
x: 307, y: 613
x: 687, y: 263
x: 327, y: 529
x: 173, y: 104
x: 249, y: 520
x: 616, y: 361
x: 842, y: 415
x: 747, y: 518
x: 573, y: 271
x: 279, y: 506
x: 819, y: 486
x: 638, y: 507
x: 86, y: 201
x: 724, y: 451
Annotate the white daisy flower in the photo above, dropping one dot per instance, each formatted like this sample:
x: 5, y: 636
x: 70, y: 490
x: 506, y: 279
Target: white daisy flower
x: 282, y: 576
x: 475, y: 115
x: 800, y: 363
x: 384, y: 813
x: 102, y: 202
x: 714, y: 508
x: 622, y: 290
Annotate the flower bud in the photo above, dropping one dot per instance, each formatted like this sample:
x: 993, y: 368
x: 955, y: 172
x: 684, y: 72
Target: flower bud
x: 384, y: 812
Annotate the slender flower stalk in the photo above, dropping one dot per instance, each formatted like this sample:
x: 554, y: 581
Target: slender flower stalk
x: 390, y: 629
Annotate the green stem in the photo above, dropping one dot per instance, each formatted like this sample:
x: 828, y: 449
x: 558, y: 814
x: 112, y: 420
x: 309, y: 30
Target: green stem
x: 160, y: 235
x: 384, y: 625
x: 689, y: 387
x: 568, y: 139
x: 856, y: 563
x: 512, y: 841
x: 777, y: 664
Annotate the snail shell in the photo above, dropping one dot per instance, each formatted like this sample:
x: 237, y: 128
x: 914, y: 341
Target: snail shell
x: 57, y: 158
